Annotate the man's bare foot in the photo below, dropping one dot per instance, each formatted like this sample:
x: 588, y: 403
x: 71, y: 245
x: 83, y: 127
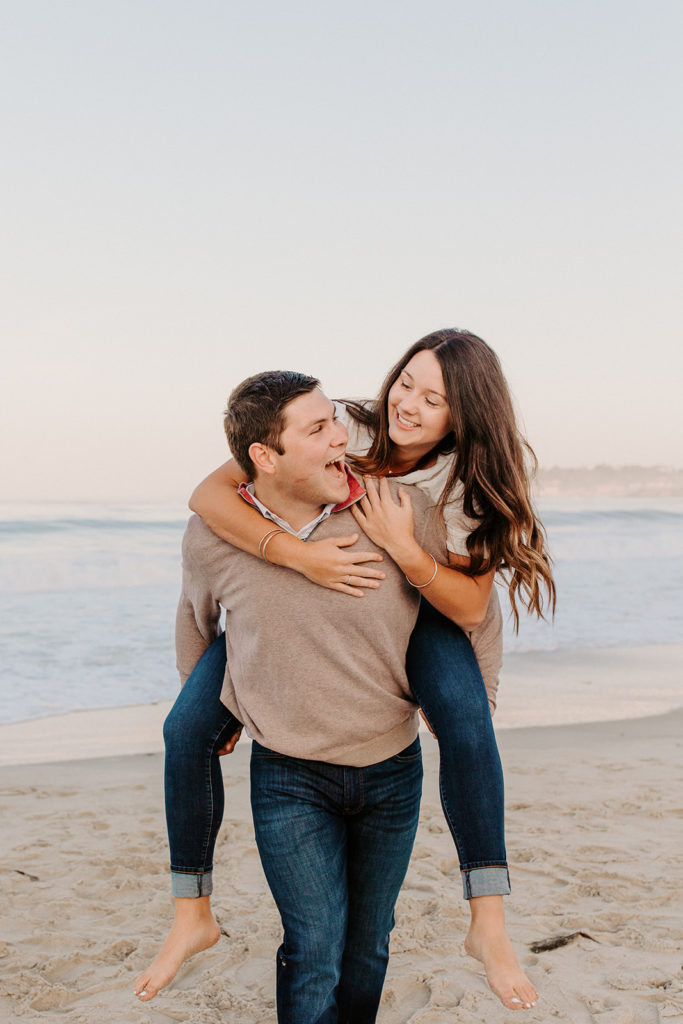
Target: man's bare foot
x: 194, y: 928
x: 488, y: 942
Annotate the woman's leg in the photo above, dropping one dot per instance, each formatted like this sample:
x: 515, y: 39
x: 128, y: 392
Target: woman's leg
x: 445, y: 678
x: 197, y: 727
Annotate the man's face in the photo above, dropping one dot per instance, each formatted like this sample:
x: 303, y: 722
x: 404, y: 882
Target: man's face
x: 311, y: 467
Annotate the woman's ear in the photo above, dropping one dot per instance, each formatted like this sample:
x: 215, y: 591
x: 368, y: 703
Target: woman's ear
x: 262, y: 457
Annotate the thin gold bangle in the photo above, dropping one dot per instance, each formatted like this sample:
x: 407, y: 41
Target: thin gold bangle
x: 266, y: 537
x: 266, y: 541
x: 421, y: 586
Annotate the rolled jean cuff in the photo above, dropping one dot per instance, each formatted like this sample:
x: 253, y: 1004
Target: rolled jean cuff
x: 487, y: 881
x: 191, y: 885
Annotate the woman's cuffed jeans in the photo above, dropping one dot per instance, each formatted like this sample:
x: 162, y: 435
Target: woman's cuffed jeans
x: 446, y: 681
x: 335, y: 843
x: 196, y: 728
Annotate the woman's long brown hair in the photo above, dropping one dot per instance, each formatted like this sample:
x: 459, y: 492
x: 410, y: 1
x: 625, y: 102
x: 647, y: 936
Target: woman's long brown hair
x: 491, y: 458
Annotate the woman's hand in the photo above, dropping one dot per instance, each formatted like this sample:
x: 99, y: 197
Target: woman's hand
x: 388, y: 523
x: 329, y: 564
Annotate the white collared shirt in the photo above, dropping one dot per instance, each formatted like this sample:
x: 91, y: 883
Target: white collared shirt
x: 305, y: 531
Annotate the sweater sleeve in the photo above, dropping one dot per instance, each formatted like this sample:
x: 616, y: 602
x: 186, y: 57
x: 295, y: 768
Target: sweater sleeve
x: 487, y: 644
x: 198, y: 615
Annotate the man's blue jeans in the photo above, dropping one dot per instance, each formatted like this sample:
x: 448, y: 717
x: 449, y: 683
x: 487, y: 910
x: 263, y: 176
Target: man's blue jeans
x: 335, y: 843
x: 445, y: 678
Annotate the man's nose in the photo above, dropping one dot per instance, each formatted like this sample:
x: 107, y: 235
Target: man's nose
x: 341, y: 434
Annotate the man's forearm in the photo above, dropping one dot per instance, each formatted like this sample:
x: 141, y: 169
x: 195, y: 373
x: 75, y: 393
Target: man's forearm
x: 190, y: 640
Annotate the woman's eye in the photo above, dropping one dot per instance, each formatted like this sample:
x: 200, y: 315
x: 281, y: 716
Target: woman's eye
x: 434, y: 405
x: 405, y: 385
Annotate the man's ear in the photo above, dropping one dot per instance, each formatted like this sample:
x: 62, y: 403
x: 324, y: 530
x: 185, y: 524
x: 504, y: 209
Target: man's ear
x: 262, y: 457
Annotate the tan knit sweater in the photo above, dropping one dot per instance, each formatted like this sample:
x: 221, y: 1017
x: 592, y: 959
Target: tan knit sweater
x: 311, y: 672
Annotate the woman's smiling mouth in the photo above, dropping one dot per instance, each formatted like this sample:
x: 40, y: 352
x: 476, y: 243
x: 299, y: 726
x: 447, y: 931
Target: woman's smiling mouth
x: 404, y: 423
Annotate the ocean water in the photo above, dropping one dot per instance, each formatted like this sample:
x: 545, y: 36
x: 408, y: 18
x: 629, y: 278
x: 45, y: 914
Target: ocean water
x: 88, y: 595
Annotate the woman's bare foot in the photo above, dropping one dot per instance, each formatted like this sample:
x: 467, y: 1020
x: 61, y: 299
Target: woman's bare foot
x: 194, y: 928
x: 488, y: 941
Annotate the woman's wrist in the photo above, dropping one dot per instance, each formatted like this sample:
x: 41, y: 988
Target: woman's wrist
x: 413, y: 562
x: 286, y: 550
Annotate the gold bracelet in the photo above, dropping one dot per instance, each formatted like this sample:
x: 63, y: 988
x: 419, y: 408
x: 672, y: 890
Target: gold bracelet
x: 421, y: 586
x: 266, y: 537
x: 266, y: 541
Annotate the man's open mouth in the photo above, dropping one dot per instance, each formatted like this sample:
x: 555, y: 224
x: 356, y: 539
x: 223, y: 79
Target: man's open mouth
x: 336, y: 466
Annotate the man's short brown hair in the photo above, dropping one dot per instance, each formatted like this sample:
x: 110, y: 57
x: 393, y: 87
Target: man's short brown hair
x: 255, y: 413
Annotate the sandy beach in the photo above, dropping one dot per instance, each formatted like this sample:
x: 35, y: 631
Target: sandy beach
x: 594, y: 840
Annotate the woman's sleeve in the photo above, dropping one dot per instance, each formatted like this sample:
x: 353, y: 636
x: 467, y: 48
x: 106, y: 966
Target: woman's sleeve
x: 458, y: 525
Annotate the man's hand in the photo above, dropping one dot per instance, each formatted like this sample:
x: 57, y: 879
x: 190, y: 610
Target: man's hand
x: 424, y: 719
x: 231, y: 744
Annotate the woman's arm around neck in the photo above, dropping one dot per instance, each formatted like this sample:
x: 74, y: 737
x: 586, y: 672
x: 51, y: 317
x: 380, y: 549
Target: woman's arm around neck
x: 327, y: 562
x: 460, y: 597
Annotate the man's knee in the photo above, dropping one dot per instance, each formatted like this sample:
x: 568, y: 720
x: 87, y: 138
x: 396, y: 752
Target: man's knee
x: 316, y: 947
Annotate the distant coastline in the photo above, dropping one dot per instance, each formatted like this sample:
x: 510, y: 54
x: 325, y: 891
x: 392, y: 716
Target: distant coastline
x: 604, y: 480
x: 551, y: 482
x: 610, y: 481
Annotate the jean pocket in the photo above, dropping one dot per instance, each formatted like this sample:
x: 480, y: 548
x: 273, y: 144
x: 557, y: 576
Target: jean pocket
x: 411, y: 753
x: 259, y: 751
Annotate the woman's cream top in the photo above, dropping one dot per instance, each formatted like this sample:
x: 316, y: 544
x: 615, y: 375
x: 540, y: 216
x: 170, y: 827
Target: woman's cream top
x: 486, y: 639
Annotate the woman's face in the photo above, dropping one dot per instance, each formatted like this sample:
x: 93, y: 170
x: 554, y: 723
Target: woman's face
x: 418, y: 412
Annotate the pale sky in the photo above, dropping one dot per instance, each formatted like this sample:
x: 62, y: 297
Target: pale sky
x: 195, y: 192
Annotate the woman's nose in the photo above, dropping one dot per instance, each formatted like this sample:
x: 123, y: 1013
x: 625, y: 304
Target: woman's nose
x: 408, y: 407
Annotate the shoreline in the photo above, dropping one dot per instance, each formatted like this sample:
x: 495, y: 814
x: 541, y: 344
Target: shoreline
x: 592, y: 685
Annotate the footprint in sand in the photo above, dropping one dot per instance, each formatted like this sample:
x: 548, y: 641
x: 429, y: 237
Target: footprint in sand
x: 404, y: 998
